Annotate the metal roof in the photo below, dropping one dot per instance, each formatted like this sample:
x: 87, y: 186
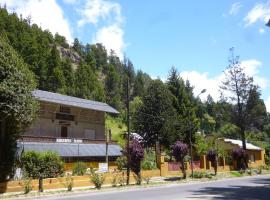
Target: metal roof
x: 72, y: 101
x: 72, y: 149
x: 249, y: 146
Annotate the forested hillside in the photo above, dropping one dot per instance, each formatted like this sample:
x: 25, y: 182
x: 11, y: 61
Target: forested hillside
x: 86, y: 71
x: 89, y: 71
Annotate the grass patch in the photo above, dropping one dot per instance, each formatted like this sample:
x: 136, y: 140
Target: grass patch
x: 118, y: 128
x: 236, y: 174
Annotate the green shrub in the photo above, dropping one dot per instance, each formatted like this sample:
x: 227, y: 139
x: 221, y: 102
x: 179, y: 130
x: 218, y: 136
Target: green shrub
x: 209, y: 175
x: 249, y: 171
x: 69, y: 183
x: 121, y: 163
x: 114, y: 181
x: 147, y: 179
x: 149, y: 161
x: 236, y: 174
x: 197, y: 174
x: 27, y: 185
x: 122, y: 180
x: 97, y: 179
x: 41, y: 165
x: 79, y: 169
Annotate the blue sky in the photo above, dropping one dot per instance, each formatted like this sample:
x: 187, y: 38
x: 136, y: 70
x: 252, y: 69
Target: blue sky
x: 194, y: 36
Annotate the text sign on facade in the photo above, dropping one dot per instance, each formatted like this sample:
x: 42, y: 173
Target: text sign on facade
x: 103, y: 167
x: 63, y: 140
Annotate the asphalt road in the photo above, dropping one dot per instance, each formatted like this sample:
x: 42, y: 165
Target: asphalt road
x: 247, y: 188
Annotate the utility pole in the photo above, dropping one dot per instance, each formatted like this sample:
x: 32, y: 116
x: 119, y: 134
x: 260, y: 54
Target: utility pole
x: 190, y: 135
x: 128, y: 135
x: 107, y: 144
x: 190, y: 145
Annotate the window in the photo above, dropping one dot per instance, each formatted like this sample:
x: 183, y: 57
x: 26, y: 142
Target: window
x: 65, y: 109
x: 64, y: 131
x: 90, y: 134
x: 64, y: 114
x: 252, y: 158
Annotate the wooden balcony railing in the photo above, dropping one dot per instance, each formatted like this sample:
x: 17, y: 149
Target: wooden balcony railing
x: 31, y: 138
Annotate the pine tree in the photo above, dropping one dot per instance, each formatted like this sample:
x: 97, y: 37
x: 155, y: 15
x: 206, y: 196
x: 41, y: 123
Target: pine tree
x: 112, y: 88
x: 155, y: 119
x: 187, y: 121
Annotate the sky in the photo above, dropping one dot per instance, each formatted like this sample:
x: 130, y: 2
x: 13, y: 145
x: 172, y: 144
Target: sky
x: 193, y: 36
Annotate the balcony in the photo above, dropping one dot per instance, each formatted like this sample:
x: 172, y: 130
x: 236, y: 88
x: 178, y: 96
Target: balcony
x: 31, y: 138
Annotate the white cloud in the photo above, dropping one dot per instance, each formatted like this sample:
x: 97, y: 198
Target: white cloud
x: 235, y: 8
x: 111, y: 37
x: 261, y: 30
x: 96, y: 10
x: 267, y: 104
x: 260, y: 11
x: 251, y: 68
x: 45, y: 13
x: 111, y: 33
x: 202, y: 81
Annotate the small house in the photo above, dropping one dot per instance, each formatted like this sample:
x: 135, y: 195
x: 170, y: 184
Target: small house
x: 72, y: 127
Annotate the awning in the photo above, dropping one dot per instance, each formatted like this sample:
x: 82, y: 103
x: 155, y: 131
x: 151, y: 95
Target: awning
x: 71, y: 149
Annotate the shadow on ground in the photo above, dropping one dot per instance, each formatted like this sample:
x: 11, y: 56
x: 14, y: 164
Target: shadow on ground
x: 173, y: 179
x: 260, y: 191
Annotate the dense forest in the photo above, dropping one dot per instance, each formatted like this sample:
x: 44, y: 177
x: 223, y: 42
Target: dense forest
x: 90, y: 71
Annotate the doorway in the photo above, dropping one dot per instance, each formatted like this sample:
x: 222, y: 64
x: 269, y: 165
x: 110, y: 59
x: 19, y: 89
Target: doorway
x: 64, y: 131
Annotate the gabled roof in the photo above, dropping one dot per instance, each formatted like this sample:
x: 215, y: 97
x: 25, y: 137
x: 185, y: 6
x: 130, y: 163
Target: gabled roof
x: 72, y: 101
x: 249, y: 146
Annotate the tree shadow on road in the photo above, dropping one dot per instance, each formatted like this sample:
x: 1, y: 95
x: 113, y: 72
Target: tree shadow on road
x: 173, y: 179
x: 261, y: 191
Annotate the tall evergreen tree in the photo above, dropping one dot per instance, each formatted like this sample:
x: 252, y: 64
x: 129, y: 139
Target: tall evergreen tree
x: 112, y: 88
x: 155, y: 119
x: 187, y: 121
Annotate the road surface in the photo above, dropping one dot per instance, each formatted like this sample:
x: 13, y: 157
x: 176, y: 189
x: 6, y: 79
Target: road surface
x: 246, y: 188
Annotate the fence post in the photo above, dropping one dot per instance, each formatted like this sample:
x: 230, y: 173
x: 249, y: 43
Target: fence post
x: 163, y: 166
x: 203, y: 162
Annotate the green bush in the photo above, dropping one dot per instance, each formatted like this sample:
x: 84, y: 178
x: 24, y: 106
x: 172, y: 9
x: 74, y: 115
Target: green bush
x: 69, y: 183
x: 149, y: 161
x: 79, y: 169
x: 236, y: 174
x: 122, y: 180
x: 121, y: 163
x: 97, y: 179
x: 27, y: 185
x: 197, y: 174
x: 41, y: 165
x: 114, y: 181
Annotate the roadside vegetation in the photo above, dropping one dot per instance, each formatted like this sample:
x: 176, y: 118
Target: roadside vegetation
x: 167, y: 116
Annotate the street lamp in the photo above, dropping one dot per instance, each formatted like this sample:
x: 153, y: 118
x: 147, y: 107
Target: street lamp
x: 268, y: 23
x: 190, y: 140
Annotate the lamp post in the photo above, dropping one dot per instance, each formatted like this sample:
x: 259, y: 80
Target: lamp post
x: 268, y: 23
x: 190, y: 138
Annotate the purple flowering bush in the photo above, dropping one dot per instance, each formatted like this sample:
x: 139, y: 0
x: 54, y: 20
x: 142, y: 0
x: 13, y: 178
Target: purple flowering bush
x: 136, y: 157
x: 212, y: 157
x: 240, y: 155
x: 179, y: 151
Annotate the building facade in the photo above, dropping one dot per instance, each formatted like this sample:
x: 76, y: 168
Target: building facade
x: 73, y: 127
